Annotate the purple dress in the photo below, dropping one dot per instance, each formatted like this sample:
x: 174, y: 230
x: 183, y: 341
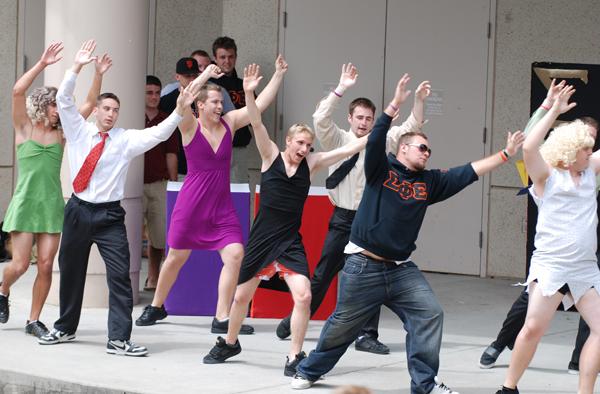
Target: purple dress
x: 204, y: 216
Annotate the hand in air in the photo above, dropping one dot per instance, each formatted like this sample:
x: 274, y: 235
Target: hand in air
x: 252, y: 77
x: 52, y: 54
x: 514, y: 141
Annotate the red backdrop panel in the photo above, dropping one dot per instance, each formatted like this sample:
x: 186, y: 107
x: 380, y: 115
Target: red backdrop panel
x: 315, y: 219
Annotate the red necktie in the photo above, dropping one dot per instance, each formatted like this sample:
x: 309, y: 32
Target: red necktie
x: 82, y: 180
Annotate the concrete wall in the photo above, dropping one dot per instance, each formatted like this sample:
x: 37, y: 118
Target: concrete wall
x: 526, y: 32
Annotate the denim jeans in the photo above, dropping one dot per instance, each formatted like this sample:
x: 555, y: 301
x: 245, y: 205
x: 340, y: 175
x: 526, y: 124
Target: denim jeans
x: 366, y: 284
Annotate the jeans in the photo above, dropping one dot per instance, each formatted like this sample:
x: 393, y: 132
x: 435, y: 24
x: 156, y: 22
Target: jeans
x: 366, y: 284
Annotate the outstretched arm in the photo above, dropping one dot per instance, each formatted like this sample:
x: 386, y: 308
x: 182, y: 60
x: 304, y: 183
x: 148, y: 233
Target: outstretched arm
x: 188, y: 124
x: 267, y: 148
x: 415, y: 120
x: 551, y: 96
x: 239, y: 118
x: 321, y: 160
x: 19, y: 111
x: 487, y: 164
x: 102, y: 65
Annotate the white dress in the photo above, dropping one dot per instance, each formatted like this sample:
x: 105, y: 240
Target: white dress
x: 565, y: 238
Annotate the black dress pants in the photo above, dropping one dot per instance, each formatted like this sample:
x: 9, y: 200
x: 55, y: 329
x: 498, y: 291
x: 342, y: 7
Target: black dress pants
x: 86, y: 223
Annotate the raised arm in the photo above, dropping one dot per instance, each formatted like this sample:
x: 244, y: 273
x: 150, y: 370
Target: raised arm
x: 487, y: 164
x: 239, y: 118
x: 415, y: 120
x: 321, y: 160
x: 102, y: 65
x: 551, y: 96
x: 267, y: 148
x: 188, y: 124
x: 20, y: 119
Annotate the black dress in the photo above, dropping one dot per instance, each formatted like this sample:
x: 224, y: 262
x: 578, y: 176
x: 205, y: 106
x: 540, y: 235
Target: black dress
x: 274, y: 235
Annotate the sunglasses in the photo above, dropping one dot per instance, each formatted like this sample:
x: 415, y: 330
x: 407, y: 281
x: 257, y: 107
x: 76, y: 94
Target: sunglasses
x: 422, y: 148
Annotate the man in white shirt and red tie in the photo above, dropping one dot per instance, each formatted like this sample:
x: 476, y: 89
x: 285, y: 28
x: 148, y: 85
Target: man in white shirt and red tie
x: 99, y: 156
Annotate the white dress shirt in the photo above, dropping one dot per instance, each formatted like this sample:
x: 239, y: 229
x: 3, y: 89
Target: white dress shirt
x: 108, y: 179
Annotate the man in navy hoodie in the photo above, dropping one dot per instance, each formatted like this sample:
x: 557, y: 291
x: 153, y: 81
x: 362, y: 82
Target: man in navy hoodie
x: 378, y: 270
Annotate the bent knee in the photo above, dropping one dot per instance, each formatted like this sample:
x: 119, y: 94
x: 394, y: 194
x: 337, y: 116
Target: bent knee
x: 531, y: 331
x: 303, y: 298
x: 242, y: 298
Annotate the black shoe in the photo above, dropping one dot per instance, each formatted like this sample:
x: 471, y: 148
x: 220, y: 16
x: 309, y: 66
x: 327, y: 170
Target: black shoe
x: 4, y: 311
x: 573, y: 368
x: 221, y: 352
x: 367, y: 344
x: 283, y: 329
x: 505, y: 390
x: 489, y: 357
x: 290, y: 366
x: 125, y: 348
x: 150, y: 315
x: 220, y: 327
x: 36, y: 328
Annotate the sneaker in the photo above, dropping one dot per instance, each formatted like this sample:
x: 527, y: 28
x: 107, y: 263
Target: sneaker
x: 573, y: 368
x: 299, y: 382
x: 221, y: 352
x: 366, y: 343
x: 441, y: 388
x: 290, y: 366
x: 489, y: 357
x: 56, y: 336
x: 506, y: 390
x: 150, y: 315
x: 4, y: 311
x: 220, y: 327
x: 283, y: 328
x: 125, y: 348
x: 36, y: 328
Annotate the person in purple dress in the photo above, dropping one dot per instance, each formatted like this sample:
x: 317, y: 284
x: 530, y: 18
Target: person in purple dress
x: 204, y: 216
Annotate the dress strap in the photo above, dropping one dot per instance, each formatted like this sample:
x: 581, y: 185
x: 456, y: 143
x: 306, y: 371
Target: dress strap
x: 225, y: 125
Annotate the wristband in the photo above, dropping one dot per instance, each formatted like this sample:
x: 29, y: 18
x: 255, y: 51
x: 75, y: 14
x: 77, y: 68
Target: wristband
x: 545, y: 107
x: 394, y: 107
x: 504, y: 155
x: 336, y: 93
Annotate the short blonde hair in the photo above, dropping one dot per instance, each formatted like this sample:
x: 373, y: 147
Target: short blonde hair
x: 203, y: 94
x: 561, y: 147
x: 300, y: 128
x: 37, y: 104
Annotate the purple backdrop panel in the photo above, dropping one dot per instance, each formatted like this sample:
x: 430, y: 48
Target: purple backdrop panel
x: 195, y: 290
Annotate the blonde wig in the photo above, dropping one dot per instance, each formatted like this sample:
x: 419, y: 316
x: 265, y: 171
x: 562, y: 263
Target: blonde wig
x: 560, y: 149
x: 37, y: 104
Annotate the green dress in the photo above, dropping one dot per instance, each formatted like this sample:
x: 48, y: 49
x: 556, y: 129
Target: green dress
x: 37, y: 205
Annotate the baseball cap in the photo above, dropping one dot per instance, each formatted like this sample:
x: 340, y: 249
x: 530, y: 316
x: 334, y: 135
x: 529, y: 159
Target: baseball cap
x: 186, y: 66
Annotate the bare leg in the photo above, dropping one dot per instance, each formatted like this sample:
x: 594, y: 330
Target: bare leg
x: 589, y: 361
x: 300, y: 288
x: 154, y: 258
x: 232, y: 256
x: 173, y: 263
x: 21, y: 253
x: 539, y: 314
x: 47, y: 246
x: 239, y: 308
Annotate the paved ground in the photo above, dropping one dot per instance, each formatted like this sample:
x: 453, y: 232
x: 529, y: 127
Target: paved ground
x: 474, y: 309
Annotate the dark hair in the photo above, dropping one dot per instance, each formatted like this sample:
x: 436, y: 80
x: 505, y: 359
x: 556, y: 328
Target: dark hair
x: 105, y: 96
x: 200, y: 52
x: 361, y: 102
x: 588, y: 120
x: 407, y: 137
x: 224, y: 43
x: 153, y: 80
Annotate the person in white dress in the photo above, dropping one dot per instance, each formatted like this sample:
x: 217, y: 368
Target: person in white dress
x: 563, y: 267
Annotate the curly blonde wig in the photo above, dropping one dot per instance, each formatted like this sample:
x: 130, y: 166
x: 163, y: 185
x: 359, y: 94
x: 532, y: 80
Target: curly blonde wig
x: 37, y: 103
x: 560, y: 149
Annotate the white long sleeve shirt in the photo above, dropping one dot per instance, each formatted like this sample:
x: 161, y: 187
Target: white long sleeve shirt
x: 349, y: 192
x: 108, y: 179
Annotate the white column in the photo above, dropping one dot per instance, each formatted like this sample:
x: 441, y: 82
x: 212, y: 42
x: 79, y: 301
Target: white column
x: 120, y: 29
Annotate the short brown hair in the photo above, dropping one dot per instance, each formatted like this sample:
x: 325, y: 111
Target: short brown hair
x: 224, y: 43
x: 107, y: 95
x: 407, y: 137
x: 588, y: 120
x: 361, y: 102
x: 203, y: 95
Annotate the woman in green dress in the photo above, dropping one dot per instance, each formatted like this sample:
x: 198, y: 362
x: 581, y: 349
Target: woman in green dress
x: 35, y: 212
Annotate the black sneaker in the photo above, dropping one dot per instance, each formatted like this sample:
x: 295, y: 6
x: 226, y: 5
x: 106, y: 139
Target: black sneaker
x: 573, y: 368
x: 36, y: 328
x: 125, y: 348
x: 366, y: 343
x: 220, y: 327
x: 489, y: 357
x: 506, y: 390
x: 221, y: 352
x: 150, y: 315
x: 56, y: 336
x: 284, y: 329
x: 4, y: 311
x: 290, y: 367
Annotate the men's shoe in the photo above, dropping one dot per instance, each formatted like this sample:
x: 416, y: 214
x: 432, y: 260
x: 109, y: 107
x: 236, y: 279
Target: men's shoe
x: 56, y: 336
x: 36, y: 328
x: 299, y: 382
x: 220, y: 327
x: 284, y: 329
x: 506, y: 390
x: 366, y: 343
x: 4, y: 311
x: 290, y: 366
x: 150, y: 315
x: 573, y: 368
x: 221, y: 352
x: 489, y: 357
x: 441, y: 388
x: 125, y: 348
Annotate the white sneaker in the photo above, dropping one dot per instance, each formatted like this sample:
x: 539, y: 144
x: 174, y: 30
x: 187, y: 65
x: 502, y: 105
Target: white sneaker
x: 441, y: 388
x: 299, y: 382
x: 125, y: 348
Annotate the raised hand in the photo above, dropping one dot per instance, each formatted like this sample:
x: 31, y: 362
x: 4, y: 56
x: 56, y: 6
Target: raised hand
x: 423, y: 91
x: 281, y: 65
x: 85, y: 53
x: 348, y: 77
x: 52, y: 54
x: 187, y: 96
x: 401, y: 93
x: 252, y: 77
x: 553, y: 91
x: 102, y: 64
x: 514, y: 142
x: 213, y: 71
x: 561, y: 103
